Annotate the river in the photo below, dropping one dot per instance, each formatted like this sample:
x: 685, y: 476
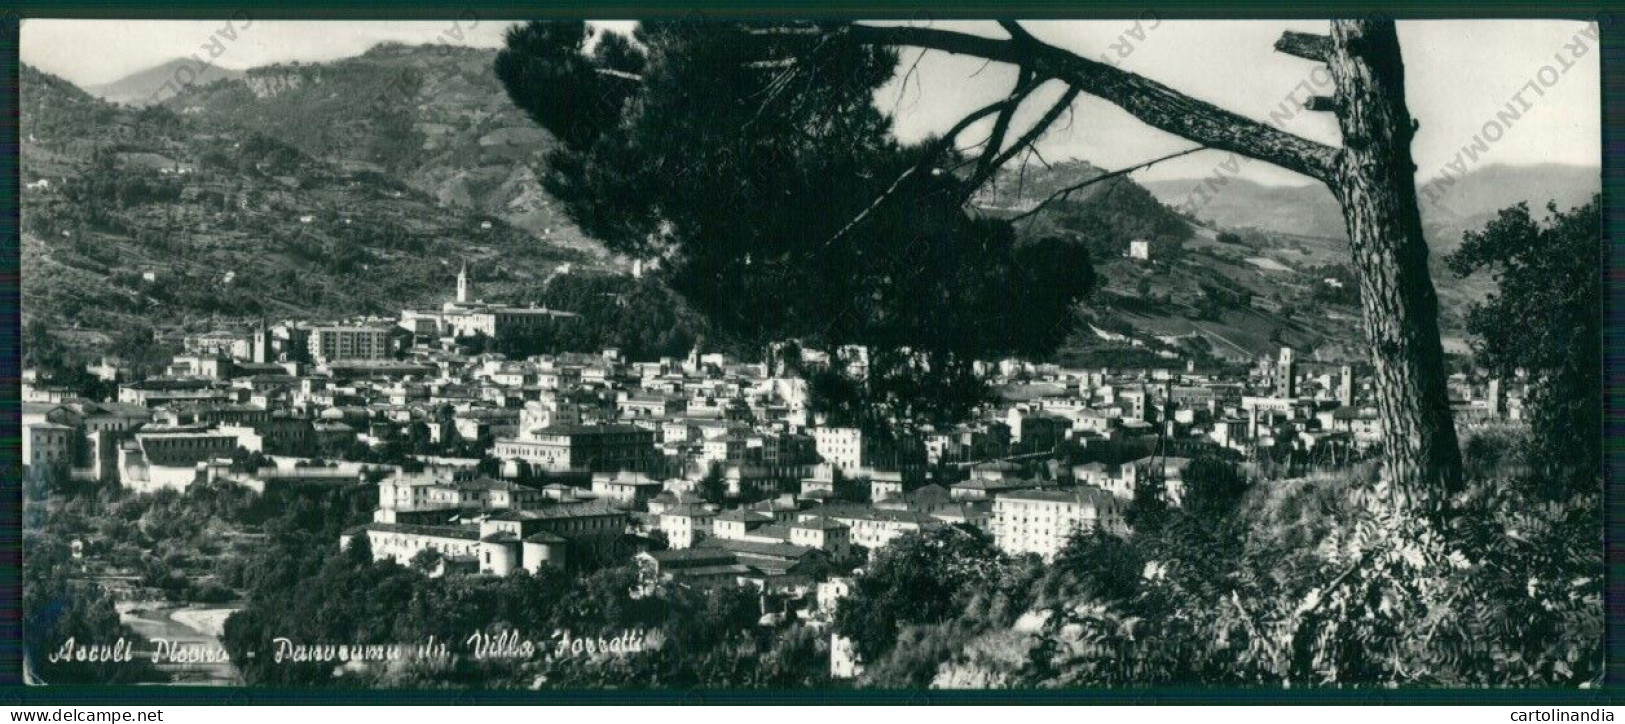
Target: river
x: 193, y: 627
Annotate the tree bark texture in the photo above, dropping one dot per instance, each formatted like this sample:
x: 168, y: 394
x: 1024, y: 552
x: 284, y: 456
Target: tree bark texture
x: 1375, y: 182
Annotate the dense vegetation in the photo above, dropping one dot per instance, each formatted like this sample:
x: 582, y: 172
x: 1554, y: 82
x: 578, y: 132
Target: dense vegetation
x: 276, y: 555
x: 641, y: 318
x: 1307, y: 582
x: 690, y: 637
x: 1318, y: 581
x: 1545, y: 320
x: 170, y: 546
x: 58, y: 607
x: 756, y: 189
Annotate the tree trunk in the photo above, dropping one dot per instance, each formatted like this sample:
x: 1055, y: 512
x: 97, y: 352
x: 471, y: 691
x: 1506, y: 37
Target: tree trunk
x: 1372, y: 176
x: 1375, y: 183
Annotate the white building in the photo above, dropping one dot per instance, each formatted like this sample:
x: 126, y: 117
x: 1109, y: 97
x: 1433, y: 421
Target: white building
x: 343, y: 343
x: 1139, y: 249
x: 1040, y: 521
x: 841, y: 447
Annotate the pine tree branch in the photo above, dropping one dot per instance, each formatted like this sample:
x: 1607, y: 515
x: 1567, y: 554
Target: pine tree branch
x: 1153, y: 103
x: 1001, y: 126
x: 1029, y: 138
x: 621, y: 74
x: 1017, y: 33
x: 1308, y: 46
x: 942, y: 145
x: 1068, y: 191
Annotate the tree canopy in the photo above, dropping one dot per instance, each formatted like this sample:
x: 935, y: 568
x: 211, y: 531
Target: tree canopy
x: 750, y: 167
x: 1545, y: 318
x: 917, y: 579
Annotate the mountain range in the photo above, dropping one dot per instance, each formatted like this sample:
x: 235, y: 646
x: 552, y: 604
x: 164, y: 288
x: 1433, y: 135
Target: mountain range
x: 350, y: 186
x: 160, y: 82
x: 436, y: 117
x: 1310, y: 210
x: 142, y: 214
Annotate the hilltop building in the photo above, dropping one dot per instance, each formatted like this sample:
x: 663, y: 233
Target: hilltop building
x: 467, y: 316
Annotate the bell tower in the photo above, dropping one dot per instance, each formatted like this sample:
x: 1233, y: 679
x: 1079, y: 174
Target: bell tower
x: 465, y: 286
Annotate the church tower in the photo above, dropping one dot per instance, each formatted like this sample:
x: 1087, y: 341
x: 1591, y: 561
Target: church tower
x: 261, y: 347
x: 1345, y: 386
x: 1286, y: 374
x: 465, y: 286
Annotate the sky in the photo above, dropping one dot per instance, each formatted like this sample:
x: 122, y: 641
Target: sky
x: 1459, y: 75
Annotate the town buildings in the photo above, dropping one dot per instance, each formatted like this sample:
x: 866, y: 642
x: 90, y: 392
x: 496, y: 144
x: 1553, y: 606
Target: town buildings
x: 601, y: 448
x: 699, y: 471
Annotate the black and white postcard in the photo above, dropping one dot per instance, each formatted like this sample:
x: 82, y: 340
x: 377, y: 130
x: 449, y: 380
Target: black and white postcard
x: 702, y: 353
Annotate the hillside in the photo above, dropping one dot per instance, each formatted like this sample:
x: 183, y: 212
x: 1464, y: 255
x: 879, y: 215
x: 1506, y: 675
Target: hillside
x: 159, y: 83
x: 437, y: 118
x: 1229, y: 300
x: 1195, y: 295
x: 1476, y: 198
x: 1307, y: 210
x: 1303, y: 224
x: 142, y: 215
x: 434, y: 116
x: 273, y: 187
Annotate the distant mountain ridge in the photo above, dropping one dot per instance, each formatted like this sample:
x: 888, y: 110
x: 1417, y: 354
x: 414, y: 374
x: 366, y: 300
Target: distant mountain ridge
x: 434, y: 116
x: 394, y: 160
x: 146, y: 215
x: 1310, y: 210
x: 161, y: 82
x: 384, y: 163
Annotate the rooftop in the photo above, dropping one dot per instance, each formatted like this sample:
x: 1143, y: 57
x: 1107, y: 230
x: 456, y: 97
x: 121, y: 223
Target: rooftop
x: 438, y: 531
x: 753, y: 548
x: 562, y: 510
x: 600, y: 429
x: 819, y: 523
